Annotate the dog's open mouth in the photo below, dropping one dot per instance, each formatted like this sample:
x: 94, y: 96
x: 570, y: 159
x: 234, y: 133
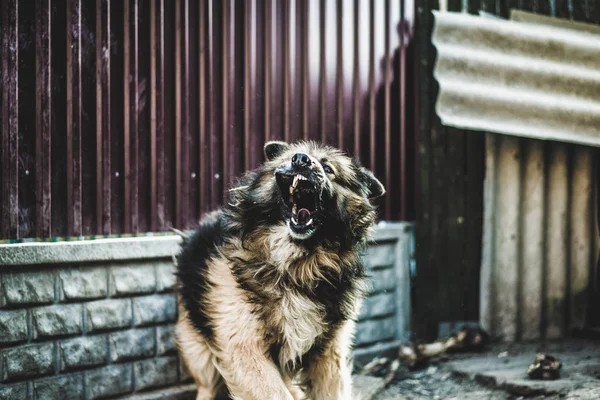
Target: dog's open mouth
x: 301, y: 200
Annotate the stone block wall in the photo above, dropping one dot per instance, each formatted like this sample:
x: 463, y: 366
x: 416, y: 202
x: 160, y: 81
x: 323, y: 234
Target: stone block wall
x: 87, y: 332
x: 94, y: 319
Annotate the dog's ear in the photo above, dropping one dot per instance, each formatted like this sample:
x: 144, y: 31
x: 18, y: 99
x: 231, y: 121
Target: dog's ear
x: 275, y: 149
x: 374, y: 187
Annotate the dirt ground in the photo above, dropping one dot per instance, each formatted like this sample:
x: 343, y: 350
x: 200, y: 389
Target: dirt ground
x: 500, y: 374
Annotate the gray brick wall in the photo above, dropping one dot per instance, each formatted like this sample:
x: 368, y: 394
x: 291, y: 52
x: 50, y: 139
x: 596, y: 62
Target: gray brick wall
x: 105, y: 329
x: 87, y: 331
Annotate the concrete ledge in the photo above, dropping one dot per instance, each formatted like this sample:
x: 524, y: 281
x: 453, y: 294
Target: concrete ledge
x: 138, y: 248
x: 135, y: 248
x: 390, y: 231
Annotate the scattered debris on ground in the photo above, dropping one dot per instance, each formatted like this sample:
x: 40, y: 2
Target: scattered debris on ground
x: 544, y: 367
x: 414, y: 355
x: 497, y: 372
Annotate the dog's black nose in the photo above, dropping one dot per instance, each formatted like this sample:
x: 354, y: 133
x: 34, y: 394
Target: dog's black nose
x: 301, y: 160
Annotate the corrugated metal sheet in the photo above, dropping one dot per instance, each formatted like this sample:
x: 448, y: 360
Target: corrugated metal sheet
x: 540, y: 244
x: 521, y: 78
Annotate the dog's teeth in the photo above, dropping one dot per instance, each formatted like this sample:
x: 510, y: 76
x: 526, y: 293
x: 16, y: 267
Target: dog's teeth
x: 309, y: 222
x: 295, y: 182
x: 291, y: 189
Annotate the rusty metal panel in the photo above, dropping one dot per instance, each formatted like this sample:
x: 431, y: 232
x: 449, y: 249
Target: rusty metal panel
x: 513, y: 77
x: 135, y: 116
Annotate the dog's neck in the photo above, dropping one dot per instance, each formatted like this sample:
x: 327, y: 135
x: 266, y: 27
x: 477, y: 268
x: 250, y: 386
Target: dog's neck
x: 271, y: 254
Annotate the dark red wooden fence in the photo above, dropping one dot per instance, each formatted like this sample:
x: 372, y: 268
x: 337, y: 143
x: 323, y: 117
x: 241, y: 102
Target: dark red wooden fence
x: 134, y: 116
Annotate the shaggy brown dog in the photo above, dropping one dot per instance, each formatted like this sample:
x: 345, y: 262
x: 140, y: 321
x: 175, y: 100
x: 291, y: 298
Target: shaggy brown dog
x: 270, y: 285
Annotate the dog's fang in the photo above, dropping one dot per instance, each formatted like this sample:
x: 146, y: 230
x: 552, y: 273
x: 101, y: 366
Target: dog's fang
x: 295, y: 182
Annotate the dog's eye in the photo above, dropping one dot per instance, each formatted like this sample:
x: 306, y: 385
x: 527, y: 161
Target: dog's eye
x: 327, y: 169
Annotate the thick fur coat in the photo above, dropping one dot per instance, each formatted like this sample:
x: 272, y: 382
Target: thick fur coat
x: 270, y: 285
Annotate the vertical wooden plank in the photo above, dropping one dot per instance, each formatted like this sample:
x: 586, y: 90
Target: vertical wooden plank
x: 74, y: 118
x: 413, y: 74
x: 487, y: 306
x: 372, y: 137
x: 3, y: 151
x: 87, y: 101
x: 257, y: 80
x: 43, y: 120
x: 404, y: 190
x: 474, y: 155
x: 322, y: 73
x: 581, y: 235
x: 387, y: 72
x: 169, y: 33
x: 425, y: 280
x: 204, y: 149
x: 226, y: 115
x: 506, y: 273
x: 115, y: 145
x: 154, y: 56
x: 107, y: 122
x: 192, y: 142
x: 532, y: 231
x: 215, y: 133
x: 594, y: 318
x: 295, y: 44
x: 185, y: 170
x: 305, y: 88
x: 286, y: 71
x: 247, y: 33
x: 10, y: 118
x: 267, y: 68
x: 128, y: 111
x: 557, y: 249
x: 143, y: 153
x: 28, y: 147
x: 103, y: 172
x: 135, y: 110
x: 340, y: 75
x: 356, y: 92
x: 181, y: 113
x: 178, y: 112
x: 159, y: 122
x: 58, y: 139
x: 454, y: 167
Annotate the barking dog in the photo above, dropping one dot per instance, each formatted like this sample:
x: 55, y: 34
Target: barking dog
x: 270, y: 285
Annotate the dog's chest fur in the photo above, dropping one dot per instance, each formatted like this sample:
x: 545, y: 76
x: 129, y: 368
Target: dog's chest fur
x: 286, y: 280
x: 300, y: 322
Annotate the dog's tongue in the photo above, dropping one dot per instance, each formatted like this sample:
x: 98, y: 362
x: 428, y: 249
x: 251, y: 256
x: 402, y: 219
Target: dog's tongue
x: 303, y: 216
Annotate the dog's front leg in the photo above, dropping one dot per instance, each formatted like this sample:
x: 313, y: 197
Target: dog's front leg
x: 330, y: 374
x: 250, y: 375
